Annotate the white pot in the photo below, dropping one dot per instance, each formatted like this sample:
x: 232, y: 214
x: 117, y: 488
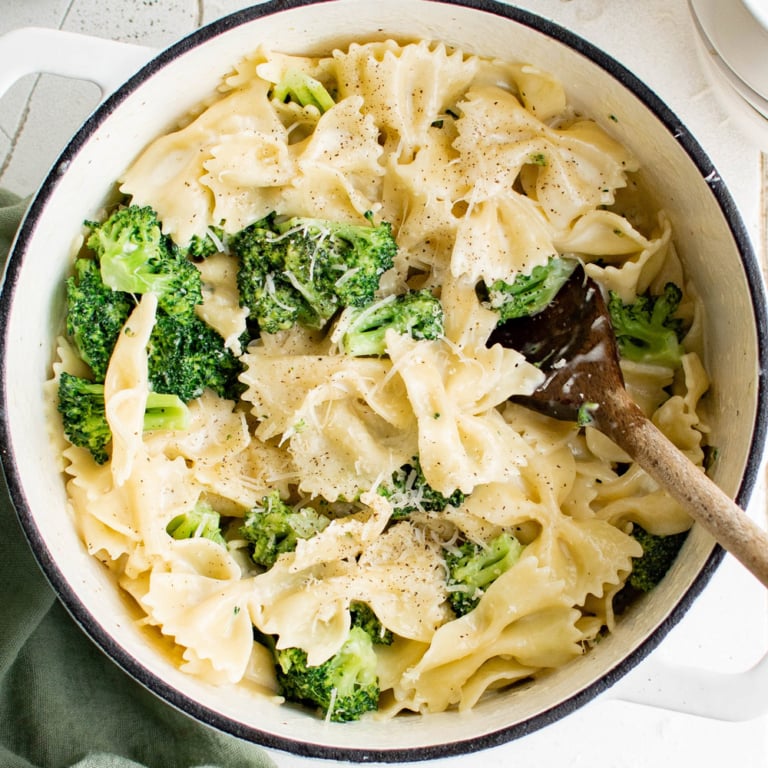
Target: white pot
x: 710, y: 236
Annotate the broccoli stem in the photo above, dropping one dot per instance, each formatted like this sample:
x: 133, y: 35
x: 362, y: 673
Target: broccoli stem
x: 304, y: 89
x: 84, y: 417
x: 165, y: 411
x: 200, y: 522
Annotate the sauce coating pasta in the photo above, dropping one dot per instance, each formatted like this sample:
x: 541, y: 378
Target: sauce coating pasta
x: 485, y: 173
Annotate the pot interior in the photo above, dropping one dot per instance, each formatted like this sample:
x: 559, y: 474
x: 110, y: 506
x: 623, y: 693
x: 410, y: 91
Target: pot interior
x: 709, y: 237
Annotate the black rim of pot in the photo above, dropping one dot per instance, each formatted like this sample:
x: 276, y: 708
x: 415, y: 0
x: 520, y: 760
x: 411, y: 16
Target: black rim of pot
x: 396, y: 754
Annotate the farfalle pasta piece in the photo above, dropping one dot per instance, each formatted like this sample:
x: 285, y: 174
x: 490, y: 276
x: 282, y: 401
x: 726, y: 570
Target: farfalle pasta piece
x: 528, y: 593
x: 225, y: 166
x: 586, y: 554
x: 126, y: 387
x: 635, y: 274
x: 601, y: 235
x: 678, y: 417
x: 278, y: 386
x: 542, y: 94
x: 308, y: 594
x: 304, y: 598
x: 203, y: 604
x: 419, y: 198
x: 339, y: 170
x: 462, y: 440
x: 406, y: 88
x: 634, y: 497
x: 350, y: 433
x: 220, y: 455
x: 401, y: 576
x: 308, y: 609
x: 101, y: 511
x: 500, y: 237
x: 568, y: 171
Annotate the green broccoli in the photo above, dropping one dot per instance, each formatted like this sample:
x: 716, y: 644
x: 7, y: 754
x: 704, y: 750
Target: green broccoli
x: 659, y: 552
x: 302, y: 270
x: 472, y: 567
x: 410, y: 492
x: 364, y: 617
x: 136, y: 257
x: 344, y: 687
x: 202, y: 521
x: 529, y: 294
x: 646, y: 330
x: 95, y: 315
x: 83, y: 413
x: 348, y: 259
x: 185, y: 355
x: 303, y: 89
x: 418, y: 314
x: 200, y: 247
x: 273, y: 303
x: 275, y: 527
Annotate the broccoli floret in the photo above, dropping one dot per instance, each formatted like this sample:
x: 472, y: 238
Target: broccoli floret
x: 95, y: 315
x: 659, y: 552
x: 272, y: 302
x: 303, y: 89
x: 646, y: 330
x: 418, y: 314
x: 364, y: 617
x: 529, y: 294
x: 472, y: 567
x: 349, y: 259
x: 185, y: 355
x: 83, y: 413
x: 202, y: 521
x: 136, y: 257
x: 302, y: 270
x: 201, y: 247
x: 344, y: 687
x: 410, y: 492
x: 81, y: 405
x: 275, y: 527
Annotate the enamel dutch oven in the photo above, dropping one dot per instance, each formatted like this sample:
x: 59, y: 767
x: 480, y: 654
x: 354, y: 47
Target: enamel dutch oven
x: 711, y: 239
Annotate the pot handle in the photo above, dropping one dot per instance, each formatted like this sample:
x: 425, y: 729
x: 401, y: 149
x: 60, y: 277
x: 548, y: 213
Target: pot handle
x: 32, y: 50
x: 727, y: 696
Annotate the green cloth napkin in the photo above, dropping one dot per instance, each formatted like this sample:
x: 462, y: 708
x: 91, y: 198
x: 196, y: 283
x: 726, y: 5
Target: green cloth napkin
x: 63, y: 703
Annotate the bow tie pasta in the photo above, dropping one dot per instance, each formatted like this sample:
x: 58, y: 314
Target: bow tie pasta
x: 339, y: 501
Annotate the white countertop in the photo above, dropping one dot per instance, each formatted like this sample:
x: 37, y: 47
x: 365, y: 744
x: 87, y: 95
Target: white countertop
x: 727, y: 628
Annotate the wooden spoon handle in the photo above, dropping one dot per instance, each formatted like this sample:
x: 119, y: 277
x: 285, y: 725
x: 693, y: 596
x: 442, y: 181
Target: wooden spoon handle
x: 631, y: 430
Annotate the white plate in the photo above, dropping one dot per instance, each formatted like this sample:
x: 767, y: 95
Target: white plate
x: 759, y: 9
x: 736, y: 34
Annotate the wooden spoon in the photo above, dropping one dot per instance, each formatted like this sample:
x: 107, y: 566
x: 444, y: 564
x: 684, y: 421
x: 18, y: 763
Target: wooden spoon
x: 572, y: 341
